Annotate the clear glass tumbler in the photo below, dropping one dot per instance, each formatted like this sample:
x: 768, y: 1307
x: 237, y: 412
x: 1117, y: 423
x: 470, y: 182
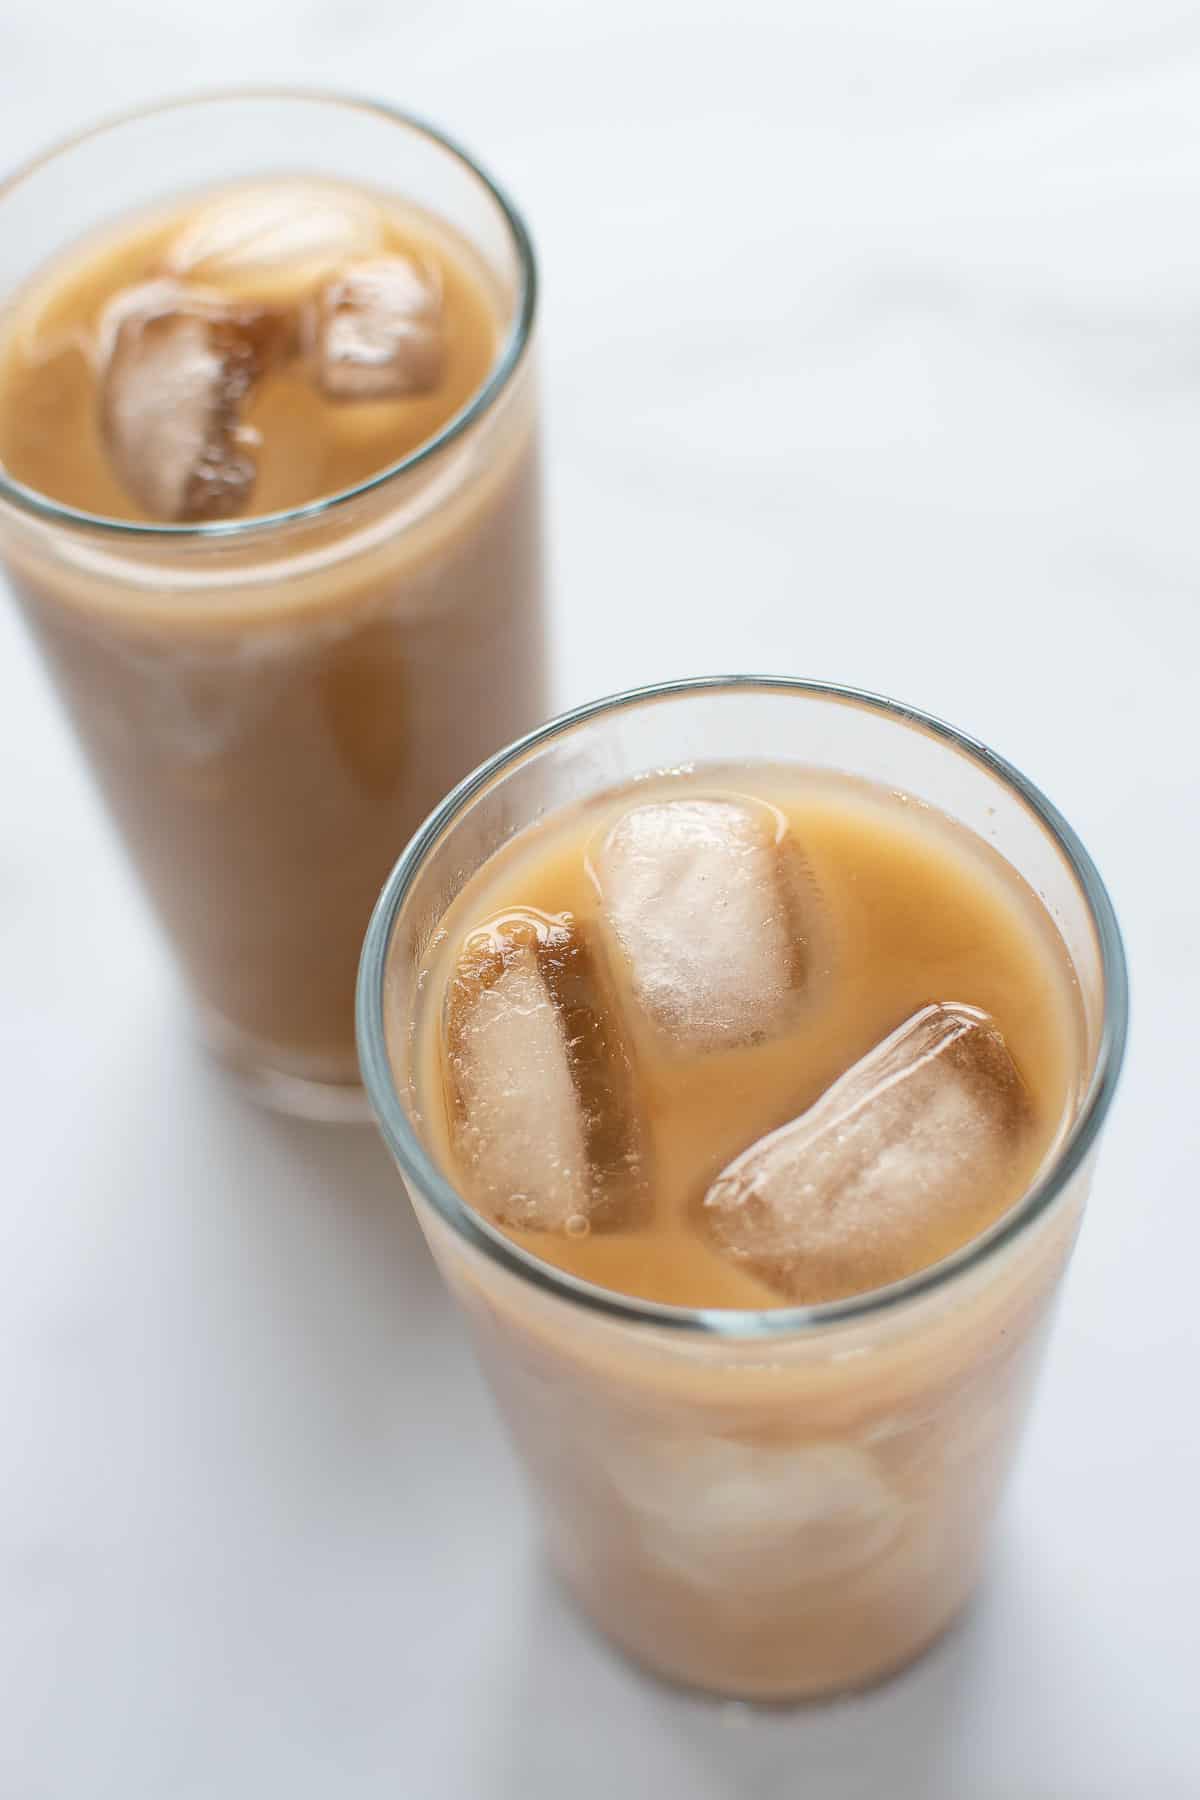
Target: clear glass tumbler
x: 774, y: 1504
x: 269, y: 705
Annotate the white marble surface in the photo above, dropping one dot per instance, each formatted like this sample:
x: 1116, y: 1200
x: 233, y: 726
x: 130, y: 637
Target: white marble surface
x: 872, y: 342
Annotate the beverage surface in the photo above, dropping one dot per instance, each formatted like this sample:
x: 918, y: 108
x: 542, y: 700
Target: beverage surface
x: 746, y: 1038
x: 242, y: 353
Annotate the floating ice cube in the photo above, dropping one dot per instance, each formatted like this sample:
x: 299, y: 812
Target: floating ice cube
x: 744, y: 1517
x: 175, y: 366
x: 542, y: 1110
x: 374, y: 331
x: 892, y: 1159
x: 717, y: 918
x: 274, y: 241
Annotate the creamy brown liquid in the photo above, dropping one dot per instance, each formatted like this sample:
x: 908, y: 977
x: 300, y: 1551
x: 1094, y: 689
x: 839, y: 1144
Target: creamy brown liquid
x: 920, y: 911
x: 270, y: 718
x: 309, y: 445
x: 791, y: 1511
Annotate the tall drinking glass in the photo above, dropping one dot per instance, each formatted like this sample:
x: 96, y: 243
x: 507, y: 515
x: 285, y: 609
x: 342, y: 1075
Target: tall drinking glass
x: 270, y: 704
x: 767, y: 1504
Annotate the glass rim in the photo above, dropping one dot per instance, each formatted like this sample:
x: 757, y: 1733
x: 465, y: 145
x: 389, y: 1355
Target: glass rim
x: 419, y: 1168
x: 512, y: 351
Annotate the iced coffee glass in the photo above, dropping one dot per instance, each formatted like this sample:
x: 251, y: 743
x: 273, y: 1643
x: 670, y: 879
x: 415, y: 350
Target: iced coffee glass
x: 776, y: 1503
x: 269, y: 703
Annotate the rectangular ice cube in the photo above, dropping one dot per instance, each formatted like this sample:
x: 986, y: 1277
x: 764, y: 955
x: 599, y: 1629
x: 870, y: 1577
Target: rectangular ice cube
x: 176, y: 365
x: 273, y: 241
x: 716, y: 918
x: 896, y: 1155
x: 374, y: 330
x: 542, y: 1111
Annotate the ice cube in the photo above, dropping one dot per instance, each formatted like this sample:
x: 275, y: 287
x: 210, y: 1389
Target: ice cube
x: 716, y: 917
x: 542, y: 1110
x: 274, y: 241
x: 744, y: 1517
x: 884, y: 1172
x: 374, y: 331
x: 175, y: 366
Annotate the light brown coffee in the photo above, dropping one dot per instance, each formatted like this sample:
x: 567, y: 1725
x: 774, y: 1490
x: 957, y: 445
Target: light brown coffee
x: 270, y: 716
x: 309, y: 443
x: 827, y: 916
x: 776, y: 1515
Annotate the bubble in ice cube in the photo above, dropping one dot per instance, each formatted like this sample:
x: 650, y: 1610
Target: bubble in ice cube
x: 716, y: 915
x: 374, y: 330
x: 890, y: 1163
x: 175, y: 366
x: 274, y: 241
x: 542, y: 1111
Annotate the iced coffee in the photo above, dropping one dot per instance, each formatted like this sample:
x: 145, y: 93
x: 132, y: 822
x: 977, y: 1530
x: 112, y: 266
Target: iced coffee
x: 720, y: 1045
x: 738, y: 1047
x: 268, y: 497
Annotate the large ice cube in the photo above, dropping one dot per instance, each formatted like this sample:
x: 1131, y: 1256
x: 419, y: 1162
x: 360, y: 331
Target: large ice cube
x: 744, y: 1517
x: 175, y: 366
x: 374, y: 330
x: 542, y: 1110
x: 273, y: 241
x: 885, y: 1170
x: 716, y: 917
